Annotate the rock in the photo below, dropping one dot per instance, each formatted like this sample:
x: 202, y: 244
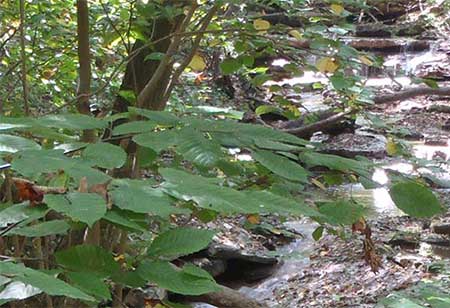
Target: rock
x: 436, y: 141
x: 352, y: 145
x: 242, y: 266
x: 224, y: 252
x: 443, y: 228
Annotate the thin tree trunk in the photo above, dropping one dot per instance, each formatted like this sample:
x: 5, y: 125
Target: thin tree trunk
x: 84, y: 58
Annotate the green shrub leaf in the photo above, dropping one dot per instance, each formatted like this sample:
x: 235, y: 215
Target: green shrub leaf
x: 84, y: 207
x: 281, y: 166
x: 415, y: 200
x: 42, y: 281
x: 89, y: 259
x: 184, y: 281
x: 180, y: 241
x: 105, y: 155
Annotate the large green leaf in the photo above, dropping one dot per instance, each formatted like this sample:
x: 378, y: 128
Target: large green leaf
x: 126, y: 219
x: 79, y: 169
x: 338, y: 163
x: 12, y: 144
x: 90, y: 259
x: 34, y: 162
x: 281, y: 166
x: 84, y: 207
x: 158, y: 141
x: 91, y: 284
x: 160, y: 117
x: 72, y: 121
x: 207, y: 194
x: 180, y: 241
x: 272, y: 203
x: 134, y: 127
x: 105, y: 155
x: 341, y: 212
x: 245, y: 131
x: 140, y: 197
x: 196, y: 148
x: 22, y: 212
x: 42, y: 281
x: 187, y: 281
x: 43, y: 229
x: 415, y: 200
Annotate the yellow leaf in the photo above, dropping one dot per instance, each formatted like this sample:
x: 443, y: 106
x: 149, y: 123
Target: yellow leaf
x: 197, y: 63
x: 365, y: 60
x: 261, y: 24
x: 253, y: 219
x: 391, y: 147
x: 327, y: 65
x: 318, y: 184
x: 214, y: 42
x: 296, y: 34
x: 337, y: 9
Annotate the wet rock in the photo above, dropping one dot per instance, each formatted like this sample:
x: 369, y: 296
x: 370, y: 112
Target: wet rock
x: 443, y: 228
x: 242, y: 266
x: 225, y: 252
x: 436, y: 141
x: 215, y: 267
x: 352, y: 145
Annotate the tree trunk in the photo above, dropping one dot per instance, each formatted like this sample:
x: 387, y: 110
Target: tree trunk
x: 84, y: 59
x: 139, y: 71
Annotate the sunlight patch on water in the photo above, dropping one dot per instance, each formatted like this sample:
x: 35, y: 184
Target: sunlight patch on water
x: 423, y: 151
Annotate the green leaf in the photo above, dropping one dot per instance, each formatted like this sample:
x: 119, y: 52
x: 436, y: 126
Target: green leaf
x: 22, y: 212
x: 272, y: 203
x: 126, y: 219
x: 43, y: 229
x: 180, y: 241
x: 196, y: 148
x: 12, y: 144
x: 160, y: 117
x: 34, y: 162
x: 72, y: 121
x: 158, y: 141
x: 317, y: 234
x: 341, y: 212
x: 84, y: 207
x: 42, y: 281
x: 415, y: 200
x: 187, y: 282
x: 140, y: 197
x: 80, y: 169
x: 91, y: 284
x: 230, y: 66
x: 134, y: 127
x: 338, y: 163
x: 266, y: 109
x: 208, y: 195
x: 281, y: 166
x: 90, y: 259
x: 155, y: 56
x: 105, y: 155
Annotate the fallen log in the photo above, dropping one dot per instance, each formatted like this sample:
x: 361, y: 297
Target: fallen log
x: 380, y: 30
x: 410, y: 93
x: 308, y: 130
x: 373, y: 44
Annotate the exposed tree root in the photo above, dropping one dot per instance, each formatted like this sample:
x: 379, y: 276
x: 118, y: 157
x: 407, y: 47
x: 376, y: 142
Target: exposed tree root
x: 308, y: 130
x: 410, y: 93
